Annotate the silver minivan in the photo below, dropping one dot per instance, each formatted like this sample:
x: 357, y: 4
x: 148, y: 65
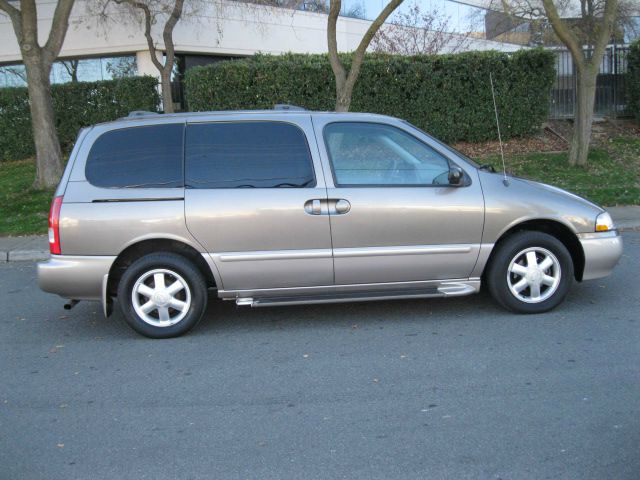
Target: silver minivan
x: 285, y: 207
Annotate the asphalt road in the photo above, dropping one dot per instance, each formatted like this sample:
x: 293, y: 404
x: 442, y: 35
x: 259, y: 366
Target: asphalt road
x: 430, y: 389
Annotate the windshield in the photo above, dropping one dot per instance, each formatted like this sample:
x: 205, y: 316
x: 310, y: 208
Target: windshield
x: 450, y: 149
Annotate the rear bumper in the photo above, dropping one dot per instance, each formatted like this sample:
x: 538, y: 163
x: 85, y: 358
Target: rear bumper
x: 602, y: 251
x: 76, y: 277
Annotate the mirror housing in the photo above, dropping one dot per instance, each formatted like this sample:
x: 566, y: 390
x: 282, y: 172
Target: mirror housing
x: 456, y: 176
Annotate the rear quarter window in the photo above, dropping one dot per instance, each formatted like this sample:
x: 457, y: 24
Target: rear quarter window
x: 137, y: 157
x: 255, y: 154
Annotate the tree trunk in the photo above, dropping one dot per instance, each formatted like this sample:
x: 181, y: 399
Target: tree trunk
x: 585, y: 100
x: 346, y: 82
x: 167, y: 97
x: 342, y: 104
x: 343, y: 96
x: 48, y: 153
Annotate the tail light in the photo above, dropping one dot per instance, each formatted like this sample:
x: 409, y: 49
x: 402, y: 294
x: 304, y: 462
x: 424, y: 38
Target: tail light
x: 54, y: 226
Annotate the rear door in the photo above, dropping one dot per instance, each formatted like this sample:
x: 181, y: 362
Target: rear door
x: 255, y: 198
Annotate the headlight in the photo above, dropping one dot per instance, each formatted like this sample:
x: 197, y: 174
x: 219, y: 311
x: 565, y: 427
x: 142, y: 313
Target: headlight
x: 604, y: 222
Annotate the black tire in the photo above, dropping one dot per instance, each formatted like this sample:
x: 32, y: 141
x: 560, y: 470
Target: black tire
x: 174, y: 268
x: 499, y: 279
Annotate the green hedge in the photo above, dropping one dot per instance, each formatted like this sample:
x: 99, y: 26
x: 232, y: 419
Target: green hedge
x: 447, y: 95
x: 633, y: 80
x: 76, y: 105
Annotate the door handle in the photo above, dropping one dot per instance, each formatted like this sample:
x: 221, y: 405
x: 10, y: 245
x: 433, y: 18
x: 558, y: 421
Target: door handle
x: 342, y: 206
x: 313, y: 206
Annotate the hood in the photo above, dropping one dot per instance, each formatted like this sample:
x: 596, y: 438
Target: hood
x: 557, y: 191
x: 525, y: 200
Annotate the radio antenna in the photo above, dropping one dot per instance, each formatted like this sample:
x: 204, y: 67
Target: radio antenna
x: 505, y: 180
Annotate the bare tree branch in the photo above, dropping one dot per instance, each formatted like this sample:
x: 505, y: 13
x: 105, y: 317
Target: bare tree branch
x: 586, y: 37
x: 148, y: 23
x: 418, y: 32
x: 59, y: 28
x: 152, y: 11
x: 16, y: 71
x: 15, y: 16
x: 10, y: 10
x: 561, y: 29
x: 345, y: 82
x: 167, y: 34
x: 374, y: 27
x: 605, y: 29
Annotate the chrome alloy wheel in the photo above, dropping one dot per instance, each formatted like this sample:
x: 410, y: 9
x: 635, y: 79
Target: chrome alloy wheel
x: 534, y: 275
x: 161, y: 297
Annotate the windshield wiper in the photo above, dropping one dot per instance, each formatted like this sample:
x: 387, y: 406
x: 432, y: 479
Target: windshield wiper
x: 488, y: 167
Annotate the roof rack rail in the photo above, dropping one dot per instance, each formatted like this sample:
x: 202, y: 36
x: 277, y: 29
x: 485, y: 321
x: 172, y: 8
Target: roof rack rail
x: 141, y: 113
x: 286, y: 106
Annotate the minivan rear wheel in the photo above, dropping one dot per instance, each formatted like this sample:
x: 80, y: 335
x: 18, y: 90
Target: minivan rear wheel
x: 531, y: 272
x: 162, y: 295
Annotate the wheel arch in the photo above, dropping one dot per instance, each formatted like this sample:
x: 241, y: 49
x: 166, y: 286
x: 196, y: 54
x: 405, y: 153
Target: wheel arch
x: 144, y: 247
x: 554, y: 228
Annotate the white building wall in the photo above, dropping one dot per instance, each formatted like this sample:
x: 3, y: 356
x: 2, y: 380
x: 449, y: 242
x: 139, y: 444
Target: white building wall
x: 145, y: 64
x: 225, y: 28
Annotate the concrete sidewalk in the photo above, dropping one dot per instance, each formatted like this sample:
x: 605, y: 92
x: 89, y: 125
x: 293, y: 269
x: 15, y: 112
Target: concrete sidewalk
x: 32, y: 247
x: 626, y: 218
x: 36, y: 247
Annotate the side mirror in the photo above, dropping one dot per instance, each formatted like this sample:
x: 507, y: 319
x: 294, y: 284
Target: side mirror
x: 456, y: 175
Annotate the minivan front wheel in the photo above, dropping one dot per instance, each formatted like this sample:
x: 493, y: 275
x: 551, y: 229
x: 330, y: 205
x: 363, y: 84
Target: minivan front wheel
x: 531, y: 272
x: 162, y: 295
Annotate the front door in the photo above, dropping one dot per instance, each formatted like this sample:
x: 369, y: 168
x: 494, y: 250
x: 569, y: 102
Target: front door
x: 253, y: 195
x: 394, y: 215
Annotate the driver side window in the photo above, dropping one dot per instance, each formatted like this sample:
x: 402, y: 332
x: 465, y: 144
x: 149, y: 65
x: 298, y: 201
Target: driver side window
x: 377, y: 154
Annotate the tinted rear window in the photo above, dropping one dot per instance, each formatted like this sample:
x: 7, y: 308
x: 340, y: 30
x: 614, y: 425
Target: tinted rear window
x: 247, y: 155
x: 143, y: 157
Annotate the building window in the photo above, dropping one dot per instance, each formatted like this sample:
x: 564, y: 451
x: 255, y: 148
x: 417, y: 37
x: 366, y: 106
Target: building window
x: 74, y: 70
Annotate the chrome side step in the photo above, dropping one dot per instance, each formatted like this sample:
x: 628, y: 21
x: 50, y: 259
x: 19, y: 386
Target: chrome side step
x: 457, y: 289
x: 339, y: 298
x: 448, y: 289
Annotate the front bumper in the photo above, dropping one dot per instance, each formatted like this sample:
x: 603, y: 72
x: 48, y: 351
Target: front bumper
x: 75, y: 277
x: 602, y: 251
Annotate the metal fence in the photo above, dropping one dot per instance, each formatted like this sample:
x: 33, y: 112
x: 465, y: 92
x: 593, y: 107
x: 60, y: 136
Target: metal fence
x: 610, y: 86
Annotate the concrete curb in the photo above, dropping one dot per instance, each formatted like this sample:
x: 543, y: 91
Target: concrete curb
x: 36, y: 247
x: 27, y: 255
x: 626, y: 218
x: 30, y: 248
